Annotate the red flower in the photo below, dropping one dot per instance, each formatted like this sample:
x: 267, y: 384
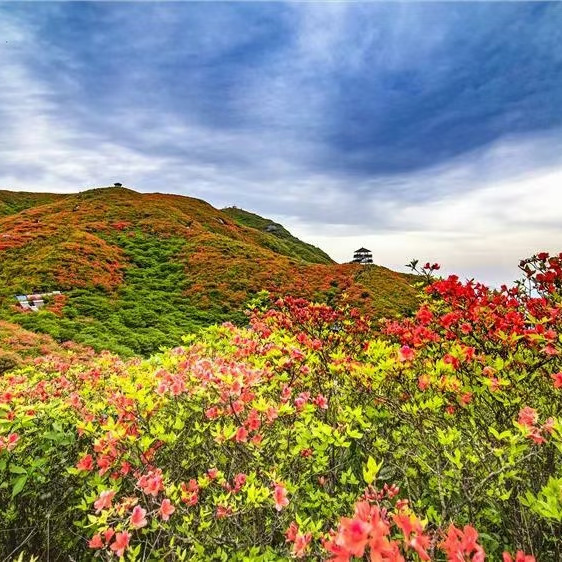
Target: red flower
x: 459, y: 543
x: 151, y: 483
x: 10, y: 442
x: 406, y: 353
x: 166, y: 509
x: 104, y: 501
x: 138, y: 517
x: 241, y: 435
x: 121, y: 542
x: 95, y: 541
x: 85, y: 463
x: 557, y: 378
x: 520, y: 556
x: 291, y: 532
x: 301, y: 544
x: 280, y: 497
x: 527, y: 416
x: 354, y: 535
x: 321, y: 402
x: 223, y: 511
x: 423, y: 382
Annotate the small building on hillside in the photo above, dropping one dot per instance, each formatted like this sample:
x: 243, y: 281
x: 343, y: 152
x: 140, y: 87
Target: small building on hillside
x: 363, y: 256
x: 117, y: 184
x: 34, y: 302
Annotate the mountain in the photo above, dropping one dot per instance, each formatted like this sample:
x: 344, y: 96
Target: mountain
x: 137, y: 271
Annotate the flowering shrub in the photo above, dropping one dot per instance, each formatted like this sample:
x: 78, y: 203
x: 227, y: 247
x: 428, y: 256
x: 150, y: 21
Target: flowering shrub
x: 308, y: 434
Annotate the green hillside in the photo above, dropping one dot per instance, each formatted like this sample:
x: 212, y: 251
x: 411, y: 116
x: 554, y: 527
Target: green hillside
x: 277, y: 237
x: 12, y: 202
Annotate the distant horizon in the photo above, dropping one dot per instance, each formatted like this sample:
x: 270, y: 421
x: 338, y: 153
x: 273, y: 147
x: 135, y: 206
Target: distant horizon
x: 419, y: 130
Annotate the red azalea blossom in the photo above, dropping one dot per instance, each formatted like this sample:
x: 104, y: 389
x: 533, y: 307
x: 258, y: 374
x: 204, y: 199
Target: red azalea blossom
x: 138, y: 517
x: 104, y: 501
x: 280, y: 497
x: 291, y: 532
x: 166, y: 509
x: 85, y: 463
x: 406, y: 353
x: 527, y: 416
x: 121, y: 543
x: 520, y: 556
x: 557, y: 378
x: 300, y: 544
x: 95, y: 541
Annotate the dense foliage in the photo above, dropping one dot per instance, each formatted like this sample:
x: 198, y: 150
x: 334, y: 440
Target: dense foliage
x: 140, y: 270
x: 12, y: 202
x: 303, y: 435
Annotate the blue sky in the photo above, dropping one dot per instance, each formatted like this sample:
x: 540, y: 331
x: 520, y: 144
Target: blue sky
x: 430, y: 130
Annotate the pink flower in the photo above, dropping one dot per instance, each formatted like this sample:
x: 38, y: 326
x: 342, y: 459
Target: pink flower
x: 321, y: 402
x: 151, y: 483
x: 301, y: 400
x: 121, y: 542
x: 280, y: 497
x: 212, y: 413
x: 12, y: 440
x: 138, y: 517
x: 301, y: 544
x: 406, y: 353
x: 95, y: 541
x: 166, y: 509
x: 527, y: 416
x: 291, y: 532
x: 519, y: 557
x: 241, y: 435
x: 104, y: 501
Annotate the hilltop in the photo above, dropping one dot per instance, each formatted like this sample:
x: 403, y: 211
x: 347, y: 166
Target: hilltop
x: 140, y: 270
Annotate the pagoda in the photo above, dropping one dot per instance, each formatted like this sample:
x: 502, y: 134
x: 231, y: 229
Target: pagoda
x: 363, y: 256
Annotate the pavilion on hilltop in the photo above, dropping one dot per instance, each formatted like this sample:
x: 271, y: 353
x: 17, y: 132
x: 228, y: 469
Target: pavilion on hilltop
x: 363, y: 256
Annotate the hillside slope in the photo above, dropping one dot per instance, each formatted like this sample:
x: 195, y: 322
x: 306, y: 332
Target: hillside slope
x: 285, y: 242
x: 12, y: 202
x: 138, y: 271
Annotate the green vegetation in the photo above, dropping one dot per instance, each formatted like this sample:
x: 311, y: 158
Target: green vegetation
x: 12, y: 202
x: 278, y: 238
x: 148, y: 311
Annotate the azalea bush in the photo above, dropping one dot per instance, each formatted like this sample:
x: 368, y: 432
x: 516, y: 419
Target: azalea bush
x: 312, y: 433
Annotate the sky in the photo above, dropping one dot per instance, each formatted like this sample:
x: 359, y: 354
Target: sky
x: 419, y: 130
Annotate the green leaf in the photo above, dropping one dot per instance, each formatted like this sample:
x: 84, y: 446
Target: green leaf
x: 18, y: 485
x: 370, y: 470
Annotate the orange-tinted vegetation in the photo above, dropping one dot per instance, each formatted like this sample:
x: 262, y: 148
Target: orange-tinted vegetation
x: 154, y: 266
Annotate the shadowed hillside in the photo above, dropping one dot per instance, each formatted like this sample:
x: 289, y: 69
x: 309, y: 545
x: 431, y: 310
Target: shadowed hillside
x: 138, y: 271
